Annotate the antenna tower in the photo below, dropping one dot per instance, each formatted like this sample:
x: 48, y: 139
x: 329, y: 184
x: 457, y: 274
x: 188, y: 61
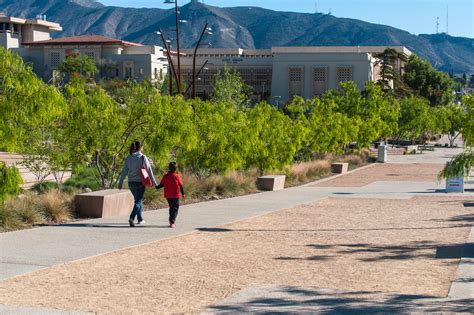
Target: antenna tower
x: 447, y: 19
x: 437, y: 25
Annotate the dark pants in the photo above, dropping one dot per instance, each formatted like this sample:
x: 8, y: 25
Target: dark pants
x: 138, y: 190
x: 174, y: 207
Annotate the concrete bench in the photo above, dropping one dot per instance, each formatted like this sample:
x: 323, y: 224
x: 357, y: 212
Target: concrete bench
x: 339, y: 168
x: 271, y: 182
x: 104, y: 203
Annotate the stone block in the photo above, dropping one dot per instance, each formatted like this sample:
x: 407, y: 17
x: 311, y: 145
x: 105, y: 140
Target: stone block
x: 104, y: 203
x: 271, y: 182
x: 339, y: 168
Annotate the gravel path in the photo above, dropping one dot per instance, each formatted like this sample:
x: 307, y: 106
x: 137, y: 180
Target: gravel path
x: 352, y: 244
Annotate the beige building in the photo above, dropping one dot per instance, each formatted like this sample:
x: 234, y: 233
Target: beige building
x: 282, y: 72
x: 115, y: 58
x: 275, y: 74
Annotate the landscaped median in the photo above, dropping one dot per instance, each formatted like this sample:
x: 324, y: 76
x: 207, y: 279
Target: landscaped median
x: 48, y: 204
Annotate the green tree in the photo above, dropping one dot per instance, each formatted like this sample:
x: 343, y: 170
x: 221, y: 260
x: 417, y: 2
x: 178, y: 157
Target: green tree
x: 415, y: 118
x: 390, y: 77
x: 78, y: 64
x: 428, y: 82
x: 463, y: 163
x: 29, y: 109
x: 450, y: 120
x: 230, y: 88
x: 272, y: 140
x: 100, y: 129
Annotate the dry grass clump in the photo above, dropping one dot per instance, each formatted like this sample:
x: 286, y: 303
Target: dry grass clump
x: 307, y: 171
x: 34, y: 209
x: 206, y: 188
x: 26, y: 210
x: 54, y: 206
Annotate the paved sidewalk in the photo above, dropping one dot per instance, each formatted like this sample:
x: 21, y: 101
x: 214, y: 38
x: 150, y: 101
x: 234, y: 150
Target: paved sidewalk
x: 29, y: 250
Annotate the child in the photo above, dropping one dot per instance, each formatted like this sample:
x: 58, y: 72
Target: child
x: 173, y: 190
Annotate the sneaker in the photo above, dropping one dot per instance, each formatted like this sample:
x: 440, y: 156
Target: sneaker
x: 142, y: 222
x: 132, y: 224
x: 172, y: 225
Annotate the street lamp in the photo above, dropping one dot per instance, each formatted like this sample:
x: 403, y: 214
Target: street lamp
x: 205, y: 30
x: 178, y: 78
x: 170, y: 61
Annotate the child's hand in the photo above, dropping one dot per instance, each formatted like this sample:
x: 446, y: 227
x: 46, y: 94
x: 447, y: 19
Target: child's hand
x: 184, y: 196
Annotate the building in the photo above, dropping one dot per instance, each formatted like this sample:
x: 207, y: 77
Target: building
x: 115, y: 58
x: 275, y: 74
x: 282, y: 72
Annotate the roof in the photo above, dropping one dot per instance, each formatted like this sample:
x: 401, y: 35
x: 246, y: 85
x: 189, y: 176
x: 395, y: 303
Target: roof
x: 338, y: 49
x: 82, y: 40
x: 50, y: 25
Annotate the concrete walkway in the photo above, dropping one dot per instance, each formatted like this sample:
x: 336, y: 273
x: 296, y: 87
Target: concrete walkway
x: 25, y: 251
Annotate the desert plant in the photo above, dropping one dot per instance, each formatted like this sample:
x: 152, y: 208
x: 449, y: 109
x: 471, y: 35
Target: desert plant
x: 10, y: 181
x: 25, y: 210
x: 307, y: 171
x: 54, y: 207
x: 9, y: 220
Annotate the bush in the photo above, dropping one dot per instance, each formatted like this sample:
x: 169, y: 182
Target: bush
x: 10, y: 181
x: 54, y: 206
x: 306, y: 172
x: 86, y: 178
x: 9, y: 220
x: 25, y: 210
x: 44, y: 187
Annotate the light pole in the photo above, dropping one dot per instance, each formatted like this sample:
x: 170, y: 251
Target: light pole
x: 205, y: 30
x: 178, y: 77
x: 203, y: 67
x: 168, y: 55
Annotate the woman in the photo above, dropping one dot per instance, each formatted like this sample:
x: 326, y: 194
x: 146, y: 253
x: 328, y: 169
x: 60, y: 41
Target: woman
x: 132, y: 168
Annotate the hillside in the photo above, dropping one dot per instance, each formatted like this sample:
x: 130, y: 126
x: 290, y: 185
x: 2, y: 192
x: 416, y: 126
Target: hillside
x: 246, y: 27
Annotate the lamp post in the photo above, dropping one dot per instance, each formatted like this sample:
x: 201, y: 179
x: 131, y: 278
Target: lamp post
x: 205, y: 30
x: 203, y: 67
x: 178, y: 77
x: 168, y: 55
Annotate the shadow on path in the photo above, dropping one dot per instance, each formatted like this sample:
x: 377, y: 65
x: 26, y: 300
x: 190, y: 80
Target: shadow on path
x: 296, y: 300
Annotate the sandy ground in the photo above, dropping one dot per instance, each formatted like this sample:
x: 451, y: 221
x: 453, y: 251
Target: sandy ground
x: 420, y: 172
x: 403, y: 246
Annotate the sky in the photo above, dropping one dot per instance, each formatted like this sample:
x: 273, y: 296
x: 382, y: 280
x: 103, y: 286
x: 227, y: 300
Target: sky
x: 414, y: 16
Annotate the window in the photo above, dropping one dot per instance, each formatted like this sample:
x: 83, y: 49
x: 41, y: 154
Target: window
x: 90, y: 54
x: 344, y: 74
x: 296, y: 81
x: 128, y: 72
x: 319, y: 80
x: 155, y: 73
x: 55, y: 59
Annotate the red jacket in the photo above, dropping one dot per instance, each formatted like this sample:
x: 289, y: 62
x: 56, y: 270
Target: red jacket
x: 173, y: 185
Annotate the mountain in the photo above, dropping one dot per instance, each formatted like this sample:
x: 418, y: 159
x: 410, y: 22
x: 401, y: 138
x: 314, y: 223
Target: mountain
x: 245, y: 27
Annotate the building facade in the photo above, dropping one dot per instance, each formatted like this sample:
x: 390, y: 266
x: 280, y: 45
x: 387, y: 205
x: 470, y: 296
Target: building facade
x: 275, y: 74
x: 115, y: 58
x: 279, y: 73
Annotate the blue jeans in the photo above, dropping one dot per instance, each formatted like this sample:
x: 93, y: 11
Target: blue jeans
x: 138, y: 190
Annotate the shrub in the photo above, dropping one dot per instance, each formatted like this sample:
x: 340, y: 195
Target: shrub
x: 308, y: 171
x: 9, y: 221
x: 54, y: 206
x: 86, y: 178
x: 43, y: 187
x: 25, y: 210
x: 10, y: 181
